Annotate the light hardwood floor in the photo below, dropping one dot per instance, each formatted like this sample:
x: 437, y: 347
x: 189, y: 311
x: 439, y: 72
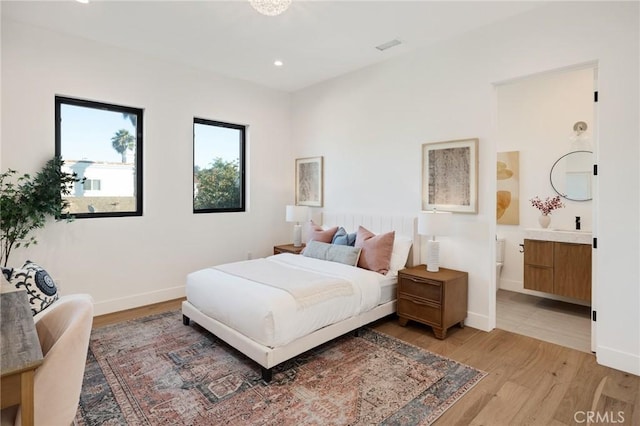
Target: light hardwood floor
x: 562, y: 323
x: 530, y: 382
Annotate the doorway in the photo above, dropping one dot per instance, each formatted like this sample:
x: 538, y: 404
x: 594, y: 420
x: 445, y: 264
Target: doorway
x: 536, y: 125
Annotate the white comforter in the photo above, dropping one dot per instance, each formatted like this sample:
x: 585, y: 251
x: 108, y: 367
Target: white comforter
x: 271, y: 316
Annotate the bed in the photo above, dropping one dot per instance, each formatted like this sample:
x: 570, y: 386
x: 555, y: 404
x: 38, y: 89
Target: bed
x: 264, y: 314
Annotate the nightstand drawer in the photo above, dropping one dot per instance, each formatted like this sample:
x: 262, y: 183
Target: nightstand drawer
x: 421, y: 287
x: 419, y: 310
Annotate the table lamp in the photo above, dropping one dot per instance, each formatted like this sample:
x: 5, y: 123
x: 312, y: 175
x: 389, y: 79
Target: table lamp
x: 432, y: 223
x: 297, y: 214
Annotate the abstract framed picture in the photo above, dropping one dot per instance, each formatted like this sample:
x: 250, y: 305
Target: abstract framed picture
x: 309, y: 181
x: 508, y: 191
x: 450, y: 176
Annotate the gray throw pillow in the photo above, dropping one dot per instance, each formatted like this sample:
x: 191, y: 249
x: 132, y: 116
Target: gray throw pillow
x: 332, y: 252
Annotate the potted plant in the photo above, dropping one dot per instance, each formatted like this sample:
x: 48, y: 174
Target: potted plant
x: 546, y: 207
x: 26, y: 202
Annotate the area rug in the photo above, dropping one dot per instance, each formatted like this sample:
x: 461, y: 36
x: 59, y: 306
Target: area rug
x: 156, y: 371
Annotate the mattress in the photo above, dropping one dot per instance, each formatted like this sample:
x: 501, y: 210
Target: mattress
x: 269, y: 315
x: 388, y: 286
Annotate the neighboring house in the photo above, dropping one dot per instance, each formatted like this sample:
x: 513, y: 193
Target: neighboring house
x: 102, y: 179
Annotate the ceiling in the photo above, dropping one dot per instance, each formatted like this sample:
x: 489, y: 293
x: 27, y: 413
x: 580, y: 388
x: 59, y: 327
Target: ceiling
x: 316, y: 40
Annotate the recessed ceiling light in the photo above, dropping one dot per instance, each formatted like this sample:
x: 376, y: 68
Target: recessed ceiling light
x: 278, y: 63
x: 83, y: 1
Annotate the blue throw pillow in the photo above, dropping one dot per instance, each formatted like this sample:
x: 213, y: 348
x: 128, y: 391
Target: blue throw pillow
x: 342, y: 238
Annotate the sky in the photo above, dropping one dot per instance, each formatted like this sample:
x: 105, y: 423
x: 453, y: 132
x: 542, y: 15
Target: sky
x: 212, y: 142
x: 87, y: 133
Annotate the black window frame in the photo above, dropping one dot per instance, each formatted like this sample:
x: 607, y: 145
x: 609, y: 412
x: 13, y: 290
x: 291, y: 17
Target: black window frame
x: 241, y: 165
x: 138, y: 112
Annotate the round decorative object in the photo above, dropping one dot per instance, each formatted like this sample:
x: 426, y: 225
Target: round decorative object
x: 544, y: 220
x: 45, y: 283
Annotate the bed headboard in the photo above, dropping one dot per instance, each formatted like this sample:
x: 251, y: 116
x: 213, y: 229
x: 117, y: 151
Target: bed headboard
x: 403, y: 225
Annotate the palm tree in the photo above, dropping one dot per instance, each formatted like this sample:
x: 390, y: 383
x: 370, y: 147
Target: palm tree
x: 123, y: 141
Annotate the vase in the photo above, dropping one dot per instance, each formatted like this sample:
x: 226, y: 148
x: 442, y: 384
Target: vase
x: 544, y: 220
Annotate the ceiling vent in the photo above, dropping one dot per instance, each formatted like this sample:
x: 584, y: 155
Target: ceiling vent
x: 388, y: 45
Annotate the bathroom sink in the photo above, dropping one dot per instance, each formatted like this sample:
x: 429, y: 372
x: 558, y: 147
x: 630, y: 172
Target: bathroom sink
x: 559, y: 235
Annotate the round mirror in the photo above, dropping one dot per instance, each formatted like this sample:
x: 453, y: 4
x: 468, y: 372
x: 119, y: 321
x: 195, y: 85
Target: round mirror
x: 571, y: 175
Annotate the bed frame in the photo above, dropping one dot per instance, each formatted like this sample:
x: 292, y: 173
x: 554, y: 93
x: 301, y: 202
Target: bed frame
x: 269, y: 357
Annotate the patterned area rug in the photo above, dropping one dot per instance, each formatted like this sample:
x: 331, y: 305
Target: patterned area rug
x: 156, y: 371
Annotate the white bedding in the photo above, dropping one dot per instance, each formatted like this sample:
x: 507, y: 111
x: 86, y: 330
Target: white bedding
x: 271, y: 316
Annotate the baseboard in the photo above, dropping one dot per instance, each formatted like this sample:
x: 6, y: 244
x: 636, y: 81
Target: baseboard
x: 510, y: 285
x: 481, y: 322
x: 623, y: 361
x: 517, y: 287
x: 138, y: 300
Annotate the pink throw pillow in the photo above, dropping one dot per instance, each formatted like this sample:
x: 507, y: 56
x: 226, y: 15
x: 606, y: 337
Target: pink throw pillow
x: 316, y: 233
x: 376, y: 250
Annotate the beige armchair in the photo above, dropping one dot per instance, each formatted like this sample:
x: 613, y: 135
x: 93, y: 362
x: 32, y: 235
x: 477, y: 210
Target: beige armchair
x: 63, y: 329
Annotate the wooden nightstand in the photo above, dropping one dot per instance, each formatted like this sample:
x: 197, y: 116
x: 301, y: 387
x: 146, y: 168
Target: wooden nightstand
x: 438, y: 299
x: 287, y: 248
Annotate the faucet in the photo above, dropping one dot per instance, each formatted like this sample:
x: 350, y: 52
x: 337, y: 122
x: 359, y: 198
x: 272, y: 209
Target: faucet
x: 577, y: 223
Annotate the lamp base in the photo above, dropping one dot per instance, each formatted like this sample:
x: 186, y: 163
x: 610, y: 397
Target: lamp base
x: 297, y: 235
x: 433, y: 256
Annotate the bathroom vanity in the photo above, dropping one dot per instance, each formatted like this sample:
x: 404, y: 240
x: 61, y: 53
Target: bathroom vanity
x: 558, y: 262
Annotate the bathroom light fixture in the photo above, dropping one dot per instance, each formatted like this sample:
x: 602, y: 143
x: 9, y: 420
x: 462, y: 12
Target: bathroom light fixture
x: 278, y: 63
x: 579, y: 138
x: 270, y: 7
x: 297, y: 214
x: 432, y: 223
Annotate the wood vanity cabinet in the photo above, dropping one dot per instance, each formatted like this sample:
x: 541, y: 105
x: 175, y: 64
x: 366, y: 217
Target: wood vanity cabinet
x: 558, y: 268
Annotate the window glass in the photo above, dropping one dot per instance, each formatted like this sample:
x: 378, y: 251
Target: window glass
x: 102, y: 143
x: 218, y: 166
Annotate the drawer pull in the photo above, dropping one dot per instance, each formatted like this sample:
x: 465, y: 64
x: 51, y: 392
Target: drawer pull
x: 420, y: 281
x: 415, y: 301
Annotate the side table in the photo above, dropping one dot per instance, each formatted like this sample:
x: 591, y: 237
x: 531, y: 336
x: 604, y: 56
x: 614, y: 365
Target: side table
x: 438, y: 299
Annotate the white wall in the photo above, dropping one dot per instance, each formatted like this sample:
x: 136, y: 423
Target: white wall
x: 535, y: 116
x: 369, y: 126
x: 132, y: 261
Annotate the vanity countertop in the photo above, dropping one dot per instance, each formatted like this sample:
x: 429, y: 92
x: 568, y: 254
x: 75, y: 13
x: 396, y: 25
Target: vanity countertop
x: 559, y: 235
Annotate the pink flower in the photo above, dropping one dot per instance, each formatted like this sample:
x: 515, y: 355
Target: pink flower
x: 548, y: 205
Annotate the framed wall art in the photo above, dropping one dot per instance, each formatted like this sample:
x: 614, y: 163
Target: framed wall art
x: 450, y: 176
x: 309, y: 181
x: 508, y: 191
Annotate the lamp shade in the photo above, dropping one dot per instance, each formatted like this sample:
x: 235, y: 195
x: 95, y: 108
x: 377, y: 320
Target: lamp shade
x: 434, y: 223
x: 297, y: 213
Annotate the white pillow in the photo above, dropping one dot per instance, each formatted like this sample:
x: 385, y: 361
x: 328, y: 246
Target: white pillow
x: 400, y: 253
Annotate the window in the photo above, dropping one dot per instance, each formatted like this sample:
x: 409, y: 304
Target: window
x: 218, y: 167
x: 102, y: 143
x: 92, y: 185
